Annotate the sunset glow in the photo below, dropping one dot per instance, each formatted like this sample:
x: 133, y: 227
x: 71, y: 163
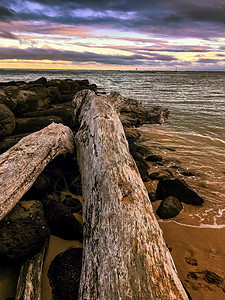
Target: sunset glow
x: 148, y: 35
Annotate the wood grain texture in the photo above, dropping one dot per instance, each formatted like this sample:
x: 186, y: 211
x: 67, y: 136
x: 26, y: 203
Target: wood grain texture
x: 124, y: 256
x: 133, y: 113
x: 29, y: 282
x: 22, y: 164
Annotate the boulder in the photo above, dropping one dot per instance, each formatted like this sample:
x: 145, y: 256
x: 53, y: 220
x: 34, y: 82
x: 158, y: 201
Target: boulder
x: 160, y: 175
x: 187, y: 173
x: 64, y: 112
x: 169, y: 208
x: 42, y: 94
x: 24, y: 125
x: 55, y: 94
x: 74, y: 184
x: 42, y: 81
x: 132, y: 134
x: 11, y: 93
x: 72, y: 203
x: 142, y: 166
x: 7, y: 121
x: 41, y: 183
x: 60, y: 219
x: 64, y: 86
x: 26, y: 101
x: 8, y: 141
x: 151, y: 196
x: 64, y: 274
x: 23, y: 231
x: 179, y: 189
x: 141, y: 149
x: 67, y: 98
x: 7, y: 100
x: 154, y: 158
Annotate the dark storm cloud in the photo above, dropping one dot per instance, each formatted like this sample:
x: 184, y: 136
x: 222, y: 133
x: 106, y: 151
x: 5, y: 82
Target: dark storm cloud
x: 177, y: 18
x: 73, y: 56
x: 208, y: 13
x: 6, y: 14
x: 161, y: 10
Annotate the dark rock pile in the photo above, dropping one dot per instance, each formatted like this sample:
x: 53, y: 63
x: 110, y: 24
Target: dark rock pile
x: 28, y: 107
x: 23, y: 231
x: 64, y: 274
x: 164, y: 186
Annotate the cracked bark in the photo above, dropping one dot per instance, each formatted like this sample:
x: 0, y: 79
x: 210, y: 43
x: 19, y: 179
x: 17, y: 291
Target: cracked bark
x: 23, y: 163
x: 29, y: 282
x: 124, y: 255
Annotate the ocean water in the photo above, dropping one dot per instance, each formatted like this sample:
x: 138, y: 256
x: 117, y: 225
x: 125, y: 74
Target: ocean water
x: 194, y: 134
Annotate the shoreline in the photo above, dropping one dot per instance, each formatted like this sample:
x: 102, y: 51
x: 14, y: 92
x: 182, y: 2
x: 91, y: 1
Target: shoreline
x: 204, y: 256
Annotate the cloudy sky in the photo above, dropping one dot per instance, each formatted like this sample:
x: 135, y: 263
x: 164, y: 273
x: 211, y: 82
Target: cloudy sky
x: 105, y: 34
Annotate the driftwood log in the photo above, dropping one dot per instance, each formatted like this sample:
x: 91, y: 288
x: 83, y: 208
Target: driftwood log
x: 124, y: 255
x: 23, y: 163
x: 29, y: 282
x: 133, y: 113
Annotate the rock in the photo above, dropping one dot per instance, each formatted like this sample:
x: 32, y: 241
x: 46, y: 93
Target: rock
x: 9, y: 96
x: 141, y: 149
x: 83, y: 82
x: 60, y: 219
x: 151, y: 196
x: 179, y: 189
x: 132, y: 134
x: 187, y: 173
x: 26, y: 101
x: 32, y: 97
x: 74, y: 183
x: 142, y: 166
x: 154, y: 158
x: 55, y: 94
x: 5, y: 99
x: 67, y: 97
x: 65, y: 113
x: 65, y: 86
x: 23, y: 231
x: 42, y: 94
x: 8, y: 141
x: 169, y: 208
x: 64, y: 274
x: 7, y: 121
x: 73, y: 204
x: 160, y: 175
x: 41, y: 183
x: 24, y: 125
x: 41, y: 80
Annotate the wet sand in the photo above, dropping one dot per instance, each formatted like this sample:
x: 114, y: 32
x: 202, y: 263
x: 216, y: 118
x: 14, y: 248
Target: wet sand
x: 197, y: 250
x: 196, y: 237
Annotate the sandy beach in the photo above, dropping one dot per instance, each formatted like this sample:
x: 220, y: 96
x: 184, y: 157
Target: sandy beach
x: 198, y: 250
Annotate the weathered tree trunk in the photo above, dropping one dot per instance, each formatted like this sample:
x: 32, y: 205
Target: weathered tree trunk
x: 125, y: 256
x: 29, y: 282
x: 23, y: 163
x: 133, y: 113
